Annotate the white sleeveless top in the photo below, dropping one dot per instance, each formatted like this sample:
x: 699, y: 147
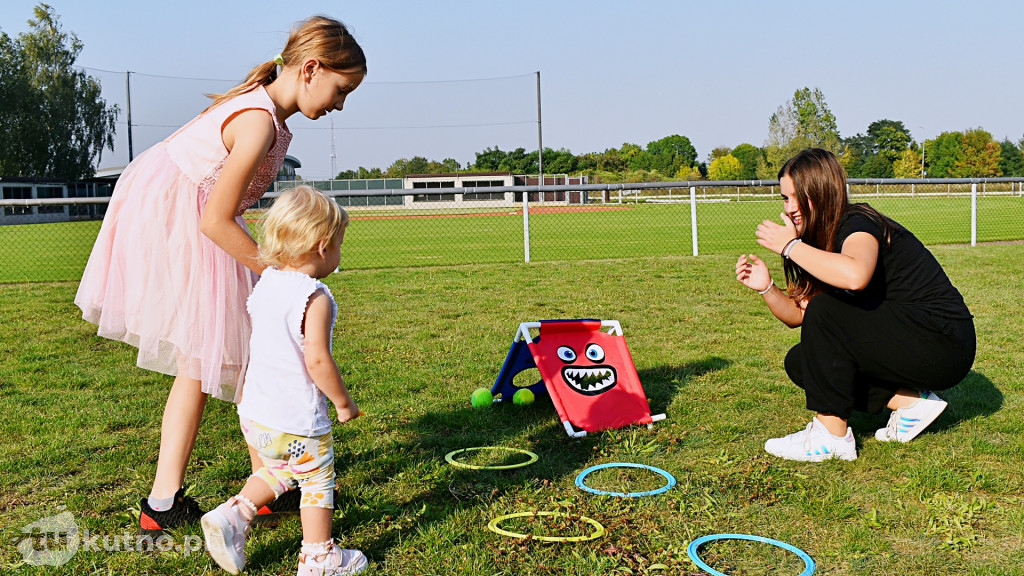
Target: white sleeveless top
x: 278, y: 392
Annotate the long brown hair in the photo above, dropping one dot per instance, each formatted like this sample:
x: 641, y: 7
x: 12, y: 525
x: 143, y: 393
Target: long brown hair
x: 325, y: 39
x: 819, y: 181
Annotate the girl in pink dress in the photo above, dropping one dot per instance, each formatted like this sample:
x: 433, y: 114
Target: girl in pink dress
x: 174, y: 263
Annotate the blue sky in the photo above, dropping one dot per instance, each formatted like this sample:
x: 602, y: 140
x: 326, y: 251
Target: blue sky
x: 611, y: 72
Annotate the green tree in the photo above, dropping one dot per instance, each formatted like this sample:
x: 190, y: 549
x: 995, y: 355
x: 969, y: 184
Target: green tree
x: 1011, y: 160
x: 982, y: 155
x: 489, y: 160
x: 559, y: 161
x: 726, y: 167
x: 668, y: 154
x: 688, y: 174
x: 360, y: 174
x: 803, y: 122
x: 908, y: 165
x: 748, y: 155
x: 55, y: 121
x: 969, y: 154
x: 718, y: 153
x: 889, y: 138
x: 635, y: 156
x: 15, y: 90
x: 872, y: 155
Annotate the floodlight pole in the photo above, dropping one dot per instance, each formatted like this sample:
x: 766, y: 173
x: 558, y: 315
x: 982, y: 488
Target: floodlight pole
x: 128, y: 101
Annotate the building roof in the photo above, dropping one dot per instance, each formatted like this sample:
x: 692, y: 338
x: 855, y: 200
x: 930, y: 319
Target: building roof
x: 458, y: 175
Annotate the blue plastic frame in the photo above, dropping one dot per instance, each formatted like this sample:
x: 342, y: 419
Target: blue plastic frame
x: 671, y: 480
x: 691, y: 551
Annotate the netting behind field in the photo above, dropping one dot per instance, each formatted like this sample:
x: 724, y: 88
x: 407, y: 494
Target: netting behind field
x: 382, y: 121
x: 389, y: 230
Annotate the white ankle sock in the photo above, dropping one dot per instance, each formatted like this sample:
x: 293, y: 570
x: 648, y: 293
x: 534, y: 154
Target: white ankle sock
x: 160, y: 504
x: 315, y: 549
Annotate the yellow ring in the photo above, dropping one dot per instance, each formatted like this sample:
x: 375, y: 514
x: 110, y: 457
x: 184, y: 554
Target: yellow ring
x: 450, y: 457
x: 598, y: 532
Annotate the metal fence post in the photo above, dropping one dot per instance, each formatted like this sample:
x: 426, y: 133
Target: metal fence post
x: 974, y: 214
x: 693, y: 217
x: 526, y: 226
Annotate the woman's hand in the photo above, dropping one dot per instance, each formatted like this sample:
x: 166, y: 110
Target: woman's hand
x: 774, y: 236
x: 753, y: 273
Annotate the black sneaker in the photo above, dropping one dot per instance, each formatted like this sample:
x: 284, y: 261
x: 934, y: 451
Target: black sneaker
x: 185, y: 510
x: 287, y: 504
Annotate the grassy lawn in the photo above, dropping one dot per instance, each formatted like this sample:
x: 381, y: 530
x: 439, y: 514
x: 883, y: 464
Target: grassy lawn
x: 80, y: 428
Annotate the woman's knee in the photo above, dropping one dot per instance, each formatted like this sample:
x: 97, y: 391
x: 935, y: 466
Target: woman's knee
x: 794, y: 365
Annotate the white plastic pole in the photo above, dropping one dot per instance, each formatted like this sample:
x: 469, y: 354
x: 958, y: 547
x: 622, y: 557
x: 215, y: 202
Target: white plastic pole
x: 974, y: 214
x: 693, y: 217
x: 526, y: 226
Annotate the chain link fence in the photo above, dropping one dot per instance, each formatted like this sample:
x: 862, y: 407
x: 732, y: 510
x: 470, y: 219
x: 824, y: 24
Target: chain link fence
x: 47, y: 230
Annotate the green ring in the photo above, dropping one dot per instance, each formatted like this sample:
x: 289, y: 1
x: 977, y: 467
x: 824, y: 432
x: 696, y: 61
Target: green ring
x: 598, y: 532
x: 450, y: 457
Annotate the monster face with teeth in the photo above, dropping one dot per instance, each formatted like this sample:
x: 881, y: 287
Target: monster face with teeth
x: 589, y: 380
x: 590, y: 375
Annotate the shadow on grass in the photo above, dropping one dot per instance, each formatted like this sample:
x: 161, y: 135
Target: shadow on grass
x: 974, y: 396
x: 440, y: 490
x: 662, y: 383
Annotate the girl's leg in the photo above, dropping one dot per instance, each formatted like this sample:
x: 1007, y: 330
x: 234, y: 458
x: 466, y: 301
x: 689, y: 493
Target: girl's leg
x: 316, y: 523
x: 226, y: 526
x: 254, y: 459
x: 182, y: 415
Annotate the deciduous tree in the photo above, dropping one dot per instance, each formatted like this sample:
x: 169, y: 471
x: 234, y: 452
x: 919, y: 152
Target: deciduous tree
x: 55, y: 122
x: 726, y: 167
x: 908, y: 165
x: 969, y: 154
x: 748, y: 155
x: 805, y: 121
x: 1011, y: 161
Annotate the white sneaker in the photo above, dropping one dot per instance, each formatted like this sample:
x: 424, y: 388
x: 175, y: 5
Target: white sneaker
x: 906, y: 423
x: 335, y: 561
x: 813, y: 444
x: 224, y: 531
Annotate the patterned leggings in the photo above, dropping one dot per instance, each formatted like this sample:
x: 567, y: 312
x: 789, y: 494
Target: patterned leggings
x: 290, y: 460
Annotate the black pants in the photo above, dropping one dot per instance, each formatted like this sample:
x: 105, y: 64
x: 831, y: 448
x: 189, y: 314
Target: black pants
x: 855, y: 356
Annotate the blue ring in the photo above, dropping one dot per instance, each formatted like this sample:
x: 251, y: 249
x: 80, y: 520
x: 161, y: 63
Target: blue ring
x: 579, y: 480
x: 691, y: 551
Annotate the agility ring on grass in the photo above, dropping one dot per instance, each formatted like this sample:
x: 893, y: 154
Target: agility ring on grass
x: 598, y: 528
x: 691, y: 550
x: 450, y: 457
x: 670, y: 480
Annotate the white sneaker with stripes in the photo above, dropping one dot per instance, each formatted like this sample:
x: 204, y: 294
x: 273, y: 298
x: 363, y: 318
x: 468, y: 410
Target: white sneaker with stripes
x: 813, y: 444
x: 906, y: 423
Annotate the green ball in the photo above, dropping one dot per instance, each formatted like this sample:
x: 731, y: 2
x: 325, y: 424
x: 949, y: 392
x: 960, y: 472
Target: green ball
x: 481, y: 398
x: 523, y: 397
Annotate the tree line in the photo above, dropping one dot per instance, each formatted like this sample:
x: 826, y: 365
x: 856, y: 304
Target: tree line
x: 887, y: 149
x: 56, y: 124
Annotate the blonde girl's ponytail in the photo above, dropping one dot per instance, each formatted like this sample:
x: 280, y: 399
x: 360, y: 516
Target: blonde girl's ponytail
x: 325, y: 39
x: 259, y: 76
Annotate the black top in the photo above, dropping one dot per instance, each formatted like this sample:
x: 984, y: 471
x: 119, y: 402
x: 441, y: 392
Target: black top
x: 906, y: 273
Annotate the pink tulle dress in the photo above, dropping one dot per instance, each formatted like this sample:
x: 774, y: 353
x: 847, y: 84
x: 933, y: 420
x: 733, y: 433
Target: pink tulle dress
x: 154, y: 280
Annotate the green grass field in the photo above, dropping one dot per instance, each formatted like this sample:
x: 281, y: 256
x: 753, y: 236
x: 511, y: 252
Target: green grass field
x: 80, y: 424
x: 58, y: 252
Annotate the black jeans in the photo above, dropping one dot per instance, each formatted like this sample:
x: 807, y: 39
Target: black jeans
x: 855, y: 356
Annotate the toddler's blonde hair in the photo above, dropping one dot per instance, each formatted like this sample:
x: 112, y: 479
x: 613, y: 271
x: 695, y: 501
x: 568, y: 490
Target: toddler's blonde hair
x: 295, y: 225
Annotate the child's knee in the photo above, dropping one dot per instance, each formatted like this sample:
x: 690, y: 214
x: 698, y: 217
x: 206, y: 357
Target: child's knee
x: 320, y: 496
